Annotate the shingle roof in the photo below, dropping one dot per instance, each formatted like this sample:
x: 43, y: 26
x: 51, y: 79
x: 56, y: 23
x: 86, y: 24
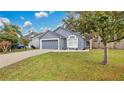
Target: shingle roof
x: 52, y: 33
x: 75, y: 33
x: 39, y: 35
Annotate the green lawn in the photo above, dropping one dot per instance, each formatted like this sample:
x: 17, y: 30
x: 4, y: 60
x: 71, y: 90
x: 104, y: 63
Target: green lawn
x: 67, y: 66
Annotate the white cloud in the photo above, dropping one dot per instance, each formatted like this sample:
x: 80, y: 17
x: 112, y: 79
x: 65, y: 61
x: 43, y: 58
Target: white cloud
x: 45, y: 28
x: 41, y: 14
x: 22, y: 18
x: 21, y: 27
x: 6, y: 20
x: 27, y: 24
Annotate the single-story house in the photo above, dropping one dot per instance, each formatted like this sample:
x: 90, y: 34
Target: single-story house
x: 60, y: 38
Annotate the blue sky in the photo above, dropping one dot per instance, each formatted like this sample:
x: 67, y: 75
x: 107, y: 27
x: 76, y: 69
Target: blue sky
x: 33, y: 19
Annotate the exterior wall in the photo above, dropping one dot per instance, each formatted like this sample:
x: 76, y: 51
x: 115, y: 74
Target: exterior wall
x: 81, y: 43
x: 35, y: 42
x: 63, y: 44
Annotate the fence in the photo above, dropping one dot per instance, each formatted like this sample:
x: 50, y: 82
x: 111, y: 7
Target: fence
x: 113, y: 45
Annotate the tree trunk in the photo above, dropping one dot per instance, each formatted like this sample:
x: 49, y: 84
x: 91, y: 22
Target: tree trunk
x: 105, y: 55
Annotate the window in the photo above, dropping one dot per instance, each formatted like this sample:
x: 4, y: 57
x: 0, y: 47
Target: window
x: 72, y: 41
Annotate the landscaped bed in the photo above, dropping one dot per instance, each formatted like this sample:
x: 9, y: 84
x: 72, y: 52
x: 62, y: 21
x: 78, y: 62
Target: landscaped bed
x: 67, y: 66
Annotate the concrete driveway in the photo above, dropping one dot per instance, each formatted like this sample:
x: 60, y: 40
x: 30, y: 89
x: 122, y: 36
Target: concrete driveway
x: 11, y: 58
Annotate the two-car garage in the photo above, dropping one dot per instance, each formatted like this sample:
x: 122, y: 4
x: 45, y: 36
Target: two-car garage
x: 49, y: 43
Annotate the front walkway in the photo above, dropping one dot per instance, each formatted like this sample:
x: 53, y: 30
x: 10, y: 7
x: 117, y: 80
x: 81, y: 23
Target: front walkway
x: 11, y: 58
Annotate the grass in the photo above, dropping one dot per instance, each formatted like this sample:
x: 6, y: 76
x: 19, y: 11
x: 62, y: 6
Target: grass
x: 67, y: 66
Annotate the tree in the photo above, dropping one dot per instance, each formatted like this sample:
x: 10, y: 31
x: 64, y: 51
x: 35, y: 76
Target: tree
x: 71, y: 21
x: 13, y: 29
x: 79, y: 21
x: 7, y: 40
x: 108, y: 25
x: 10, y: 30
x: 24, y: 41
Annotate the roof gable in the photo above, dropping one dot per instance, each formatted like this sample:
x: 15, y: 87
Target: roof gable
x: 51, y: 34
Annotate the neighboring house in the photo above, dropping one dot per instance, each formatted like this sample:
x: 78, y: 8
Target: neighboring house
x: 58, y: 39
x: 31, y: 34
x: 34, y: 38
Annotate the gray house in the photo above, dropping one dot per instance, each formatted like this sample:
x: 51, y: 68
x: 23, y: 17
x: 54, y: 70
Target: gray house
x: 58, y: 39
